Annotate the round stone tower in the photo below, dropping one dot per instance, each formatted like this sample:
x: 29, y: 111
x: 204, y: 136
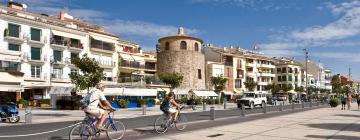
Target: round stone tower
x: 181, y: 53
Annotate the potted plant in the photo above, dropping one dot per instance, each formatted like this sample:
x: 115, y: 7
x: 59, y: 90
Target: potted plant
x: 22, y: 103
x: 142, y: 102
x: 44, y: 103
x: 124, y: 103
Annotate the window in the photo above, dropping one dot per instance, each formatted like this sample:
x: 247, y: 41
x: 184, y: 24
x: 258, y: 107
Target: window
x: 14, y: 47
x: 8, y: 65
x: 183, y: 45
x: 167, y: 46
x: 57, y: 55
x: 101, y: 45
x: 258, y: 88
x: 57, y: 73
x: 199, y: 73
x: 35, y: 71
x: 283, y: 70
x: 35, y: 53
x: 35, y: 34
x: 228, y: 72
x: 14, y: 30
x: 290, y: 78
x: 278, y: 70
x: 196, y: 46
x: 283, y: 78
x: 296, y: 78
x: 237, y: 83
x: 279, y: 78
x: 74, y: 43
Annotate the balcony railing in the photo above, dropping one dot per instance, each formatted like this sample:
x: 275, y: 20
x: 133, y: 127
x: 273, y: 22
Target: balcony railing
x: 14, y: 36
x: 59, y: 42
x: 131, y: 64
x: 10, y: 68
x: 106, y: 63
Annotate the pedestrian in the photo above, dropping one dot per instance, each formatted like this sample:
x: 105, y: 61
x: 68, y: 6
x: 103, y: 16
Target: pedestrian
x: 349, y: 99
x: 358, y: 101
x: 343, y: 101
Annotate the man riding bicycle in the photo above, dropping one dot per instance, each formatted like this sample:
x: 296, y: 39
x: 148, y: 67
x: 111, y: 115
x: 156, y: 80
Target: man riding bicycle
x: 170, y: 106
x: 97, y: 105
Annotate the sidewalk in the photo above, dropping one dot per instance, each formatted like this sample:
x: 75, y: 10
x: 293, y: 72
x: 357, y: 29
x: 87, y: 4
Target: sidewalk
x: 324, y: 123
x: 49, y: 116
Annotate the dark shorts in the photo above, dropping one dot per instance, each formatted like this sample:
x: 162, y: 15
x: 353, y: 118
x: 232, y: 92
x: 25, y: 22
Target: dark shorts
x: 343, y: 102
x: 358, y: 101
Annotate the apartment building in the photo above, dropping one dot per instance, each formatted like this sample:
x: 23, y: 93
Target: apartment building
x: 238, y: 65
x: 321, y: 75
x: 288, y: 72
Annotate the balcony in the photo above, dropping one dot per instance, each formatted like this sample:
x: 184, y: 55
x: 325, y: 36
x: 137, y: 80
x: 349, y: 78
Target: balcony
x: 38, y: 43
x: 62, y: 44
x: 39, y: 78
x: 267, y: 66
x: 131, y: 64
x: 76, y: 47
x: 36, y: 60
x: 267, y: 74
x: 14, y: 37
x: 106, y: 64
x: 61, y: 62
x: 250, y: 64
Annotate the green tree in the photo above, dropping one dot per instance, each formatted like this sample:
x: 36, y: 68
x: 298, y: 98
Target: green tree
x: 336, y: 85
x: 299, y: 89
x: 250, y: 84
x: 90, y: 73
x: 286, y: 88
x: 219, y: 84
x: 172, y: 79
x: 274, y: 88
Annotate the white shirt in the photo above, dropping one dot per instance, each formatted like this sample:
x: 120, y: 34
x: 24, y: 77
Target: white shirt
x: 95, y: 98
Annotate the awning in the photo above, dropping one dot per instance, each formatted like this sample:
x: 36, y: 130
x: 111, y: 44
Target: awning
x: 228, y: 93
x: 139, y: 92
x: 62, y: 91
x: 8, y: 78
x: 181, y: 91
x: 11, y: 88
x: 126, y: 57
x: 6, y: 55
x: 204, y: 93
x: 68, y: 35
x: 104, y: 38
x: 138, y: 58
x: 113, y: 91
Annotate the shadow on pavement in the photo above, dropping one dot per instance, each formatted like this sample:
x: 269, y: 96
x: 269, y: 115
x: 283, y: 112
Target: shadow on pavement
x: 337, y: 137
x: 337, y: 126
x: 57, y: 138
x: 147, y: 131
x: 348, y: 115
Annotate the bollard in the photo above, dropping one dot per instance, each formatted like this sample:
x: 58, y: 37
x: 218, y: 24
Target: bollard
x: 281, y: 107
x: 212, y: 113
x: 310, y: 104
x: 224, y: 103
x: 302, y: 104
x: 243, y: 110
x: 144, y: 110
x: 264, y: 107
x: 204, y: 106
x: 28, y: 115
x: 292, y: 105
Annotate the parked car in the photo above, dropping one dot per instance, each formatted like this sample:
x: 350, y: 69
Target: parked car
x: 9, y: 111
x: 252, y: 99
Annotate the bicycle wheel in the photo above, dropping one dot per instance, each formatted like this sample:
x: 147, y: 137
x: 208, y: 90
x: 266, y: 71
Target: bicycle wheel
x: 116, y: 130
x: 160, y: 124
x: 81, y: 132
x: 181, y: 121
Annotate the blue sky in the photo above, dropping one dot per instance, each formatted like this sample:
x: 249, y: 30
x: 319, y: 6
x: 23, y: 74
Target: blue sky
x: 330, y: 30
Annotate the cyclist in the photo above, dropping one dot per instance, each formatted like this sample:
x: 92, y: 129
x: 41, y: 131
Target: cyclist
x: 97, y: 106
x: 169, y: 105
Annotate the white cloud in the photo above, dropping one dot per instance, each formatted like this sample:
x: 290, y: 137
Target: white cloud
x: 345, y: 56
x: 265, y: 5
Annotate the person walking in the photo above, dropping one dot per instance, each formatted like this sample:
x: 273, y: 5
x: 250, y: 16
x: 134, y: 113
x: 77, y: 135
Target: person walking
x: 343, y: 101
x: 349, y: 100
x: 358, y: 100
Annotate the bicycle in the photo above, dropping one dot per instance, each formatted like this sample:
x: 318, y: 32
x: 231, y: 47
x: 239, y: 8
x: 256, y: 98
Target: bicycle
x: 165, y: 121
x: 86, y: 130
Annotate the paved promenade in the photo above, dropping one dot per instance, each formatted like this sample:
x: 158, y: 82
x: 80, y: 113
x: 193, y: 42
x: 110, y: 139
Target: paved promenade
x: 323, y: 123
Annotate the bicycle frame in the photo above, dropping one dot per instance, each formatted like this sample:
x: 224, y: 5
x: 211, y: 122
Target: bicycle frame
x: 108, y: 121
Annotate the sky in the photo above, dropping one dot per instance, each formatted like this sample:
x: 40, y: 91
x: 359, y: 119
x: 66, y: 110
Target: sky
x: 329, y: 30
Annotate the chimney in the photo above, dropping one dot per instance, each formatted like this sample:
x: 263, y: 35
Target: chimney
x: 62, y: 15
x: 17, y: 6
x: 181, y: 31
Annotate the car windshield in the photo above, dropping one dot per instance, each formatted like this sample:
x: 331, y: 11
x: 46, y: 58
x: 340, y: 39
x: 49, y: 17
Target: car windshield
x: 249, y: 95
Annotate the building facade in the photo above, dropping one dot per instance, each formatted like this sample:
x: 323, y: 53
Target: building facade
x: 288, y: 72
x: 182, y: 54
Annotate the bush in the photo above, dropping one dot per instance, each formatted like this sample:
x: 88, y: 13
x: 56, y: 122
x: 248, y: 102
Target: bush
x: 44, y: 101
x: 23, y: 102
x: 216, y: 101
x: 123, y: 103
x: 76, y: 103
x: 153, y: 101
x: 184, y: 100
x: 142, y: 102
x: 334, y: 102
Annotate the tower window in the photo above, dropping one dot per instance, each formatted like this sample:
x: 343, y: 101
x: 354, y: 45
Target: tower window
x: 183, y: 45
x: 167, y: 46
x: 199, y: 73
x: 196, y: 46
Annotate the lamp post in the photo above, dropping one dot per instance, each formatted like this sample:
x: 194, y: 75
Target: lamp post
x: 306, y: 71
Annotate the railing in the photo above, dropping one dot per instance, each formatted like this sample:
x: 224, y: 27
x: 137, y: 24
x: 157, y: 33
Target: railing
x: 10, y: 68
x: 106, y: 63
x: 228, y: 63
x: 16, y: 35
x: 130, y: 64
x: 107, y: 48
x: 59, y: 42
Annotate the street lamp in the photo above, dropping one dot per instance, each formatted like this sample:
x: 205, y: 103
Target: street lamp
x: 306, y: 71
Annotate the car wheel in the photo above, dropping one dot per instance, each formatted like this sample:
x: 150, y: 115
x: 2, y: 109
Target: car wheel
x: 252, y: 105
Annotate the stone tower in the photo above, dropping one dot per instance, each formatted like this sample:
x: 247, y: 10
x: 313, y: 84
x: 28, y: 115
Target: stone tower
x: 181, y: 53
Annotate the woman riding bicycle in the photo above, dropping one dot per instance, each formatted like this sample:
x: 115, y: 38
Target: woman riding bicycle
x: 170, y: 106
